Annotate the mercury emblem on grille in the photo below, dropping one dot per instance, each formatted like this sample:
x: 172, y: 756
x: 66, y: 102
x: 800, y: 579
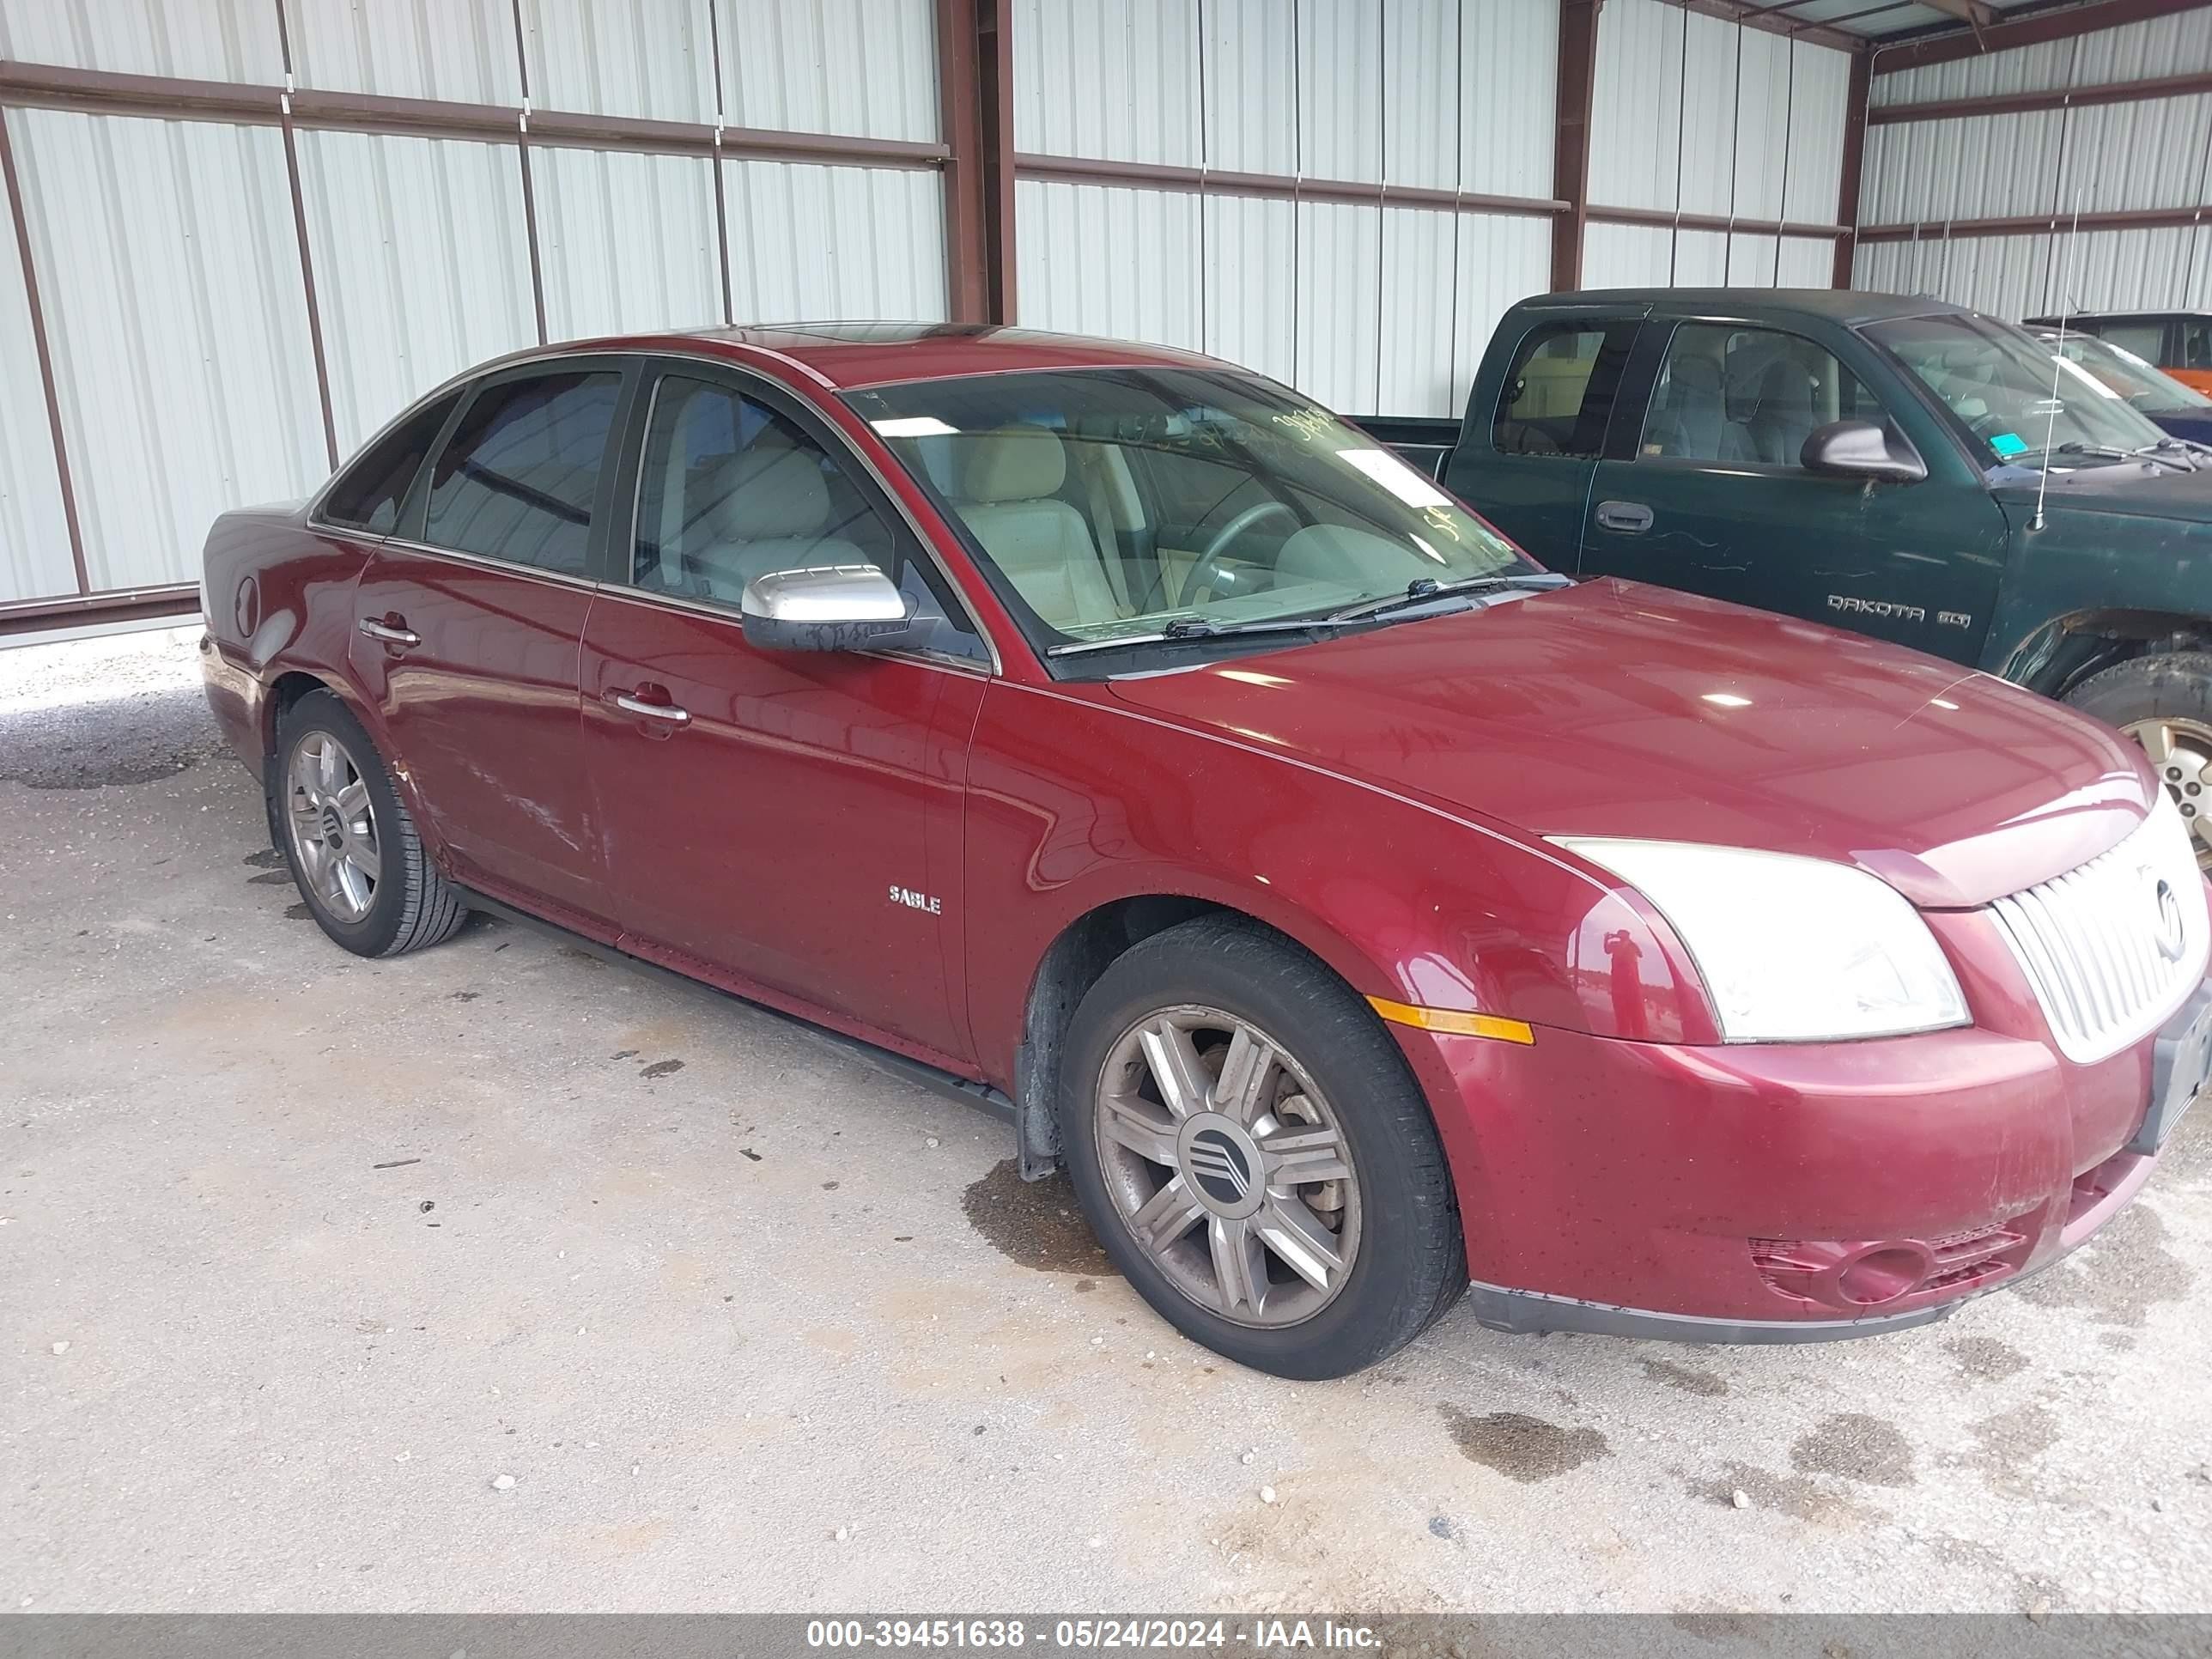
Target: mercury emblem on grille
x: 2171, y: 936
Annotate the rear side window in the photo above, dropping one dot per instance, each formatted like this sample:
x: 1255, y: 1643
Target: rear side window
x: 1559, y: 394
x: 516, y: 480
x: 370, y: 492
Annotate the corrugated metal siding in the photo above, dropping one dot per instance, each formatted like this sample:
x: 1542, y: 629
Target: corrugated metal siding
x: 1341, y: 87
x: 421, y: 264
x: 169, y: 275
x: 1764, y: 106
x: 1251, y: 294
x: 1419, y: 93
x: 1806, y: 262
x: 1416, y: 370
x: 198, y: 39
x: 1340, y: 259
x: 1092, y: 256
x: 867, y: 68
x: 2179, y: 45
x: 1820, y: 109
x: 460, y: 50
x: 1627, y: 256
x: 1988, y: 167
x: 1636, y: 105
x: 1112, y: 80
x: 817, y: 242
x: 626, y: 241
x: 1509, y: 71
x: 1708, y: 134
x: 35, y: 550
x: 645, y: 58
x: 1251, y: 84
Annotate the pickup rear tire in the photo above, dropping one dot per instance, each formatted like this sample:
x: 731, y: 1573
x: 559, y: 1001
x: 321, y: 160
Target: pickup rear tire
x: 2164, y: 702
x: 1254, y: 1155
x: 348, y: 838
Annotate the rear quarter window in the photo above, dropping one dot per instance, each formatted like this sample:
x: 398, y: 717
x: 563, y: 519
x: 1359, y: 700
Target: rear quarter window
x: 369, y: 493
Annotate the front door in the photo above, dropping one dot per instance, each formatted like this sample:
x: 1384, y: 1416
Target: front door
x: 1532, y: 436
x: 1712, y: 498
x: 786, y: 820
x: 467, y: 629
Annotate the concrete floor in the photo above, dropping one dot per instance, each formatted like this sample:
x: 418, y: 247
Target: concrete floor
x: 302, y: 1256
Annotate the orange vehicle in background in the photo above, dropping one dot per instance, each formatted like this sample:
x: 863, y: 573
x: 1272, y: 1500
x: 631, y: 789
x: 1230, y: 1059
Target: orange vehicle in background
x: 2180, y: 343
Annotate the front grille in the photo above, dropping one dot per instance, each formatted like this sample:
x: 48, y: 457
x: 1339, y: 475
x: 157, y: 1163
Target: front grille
x: 2108, y: 953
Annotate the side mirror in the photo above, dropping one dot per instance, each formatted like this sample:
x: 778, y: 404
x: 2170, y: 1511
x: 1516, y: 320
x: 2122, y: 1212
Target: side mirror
x: 1859, y: 449
x: 842, y: 607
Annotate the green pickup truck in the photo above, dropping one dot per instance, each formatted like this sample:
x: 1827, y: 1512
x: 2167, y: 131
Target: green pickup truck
x: 1896, y: 466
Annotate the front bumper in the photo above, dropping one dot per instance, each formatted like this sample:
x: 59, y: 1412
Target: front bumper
x: 1773, y: 1193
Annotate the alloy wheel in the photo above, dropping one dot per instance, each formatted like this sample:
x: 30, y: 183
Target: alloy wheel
x: 1228, y: 1165
x: 333, y: 822
x: 2181, y: 750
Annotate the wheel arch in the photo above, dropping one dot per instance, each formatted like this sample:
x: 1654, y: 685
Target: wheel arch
x: 2062, y: 653
x: 1073, y: 962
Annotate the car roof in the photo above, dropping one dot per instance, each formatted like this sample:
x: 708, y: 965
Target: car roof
x: 845, y: 355
x: 1846, y: 306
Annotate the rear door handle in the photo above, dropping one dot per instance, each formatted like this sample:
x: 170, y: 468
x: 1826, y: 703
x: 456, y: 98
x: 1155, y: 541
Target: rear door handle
x: 667, y: 713
x: 1631, y: 518
x: 392, y: 633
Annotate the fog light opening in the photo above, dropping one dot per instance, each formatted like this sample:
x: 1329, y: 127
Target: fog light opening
x: 1883, y: 1274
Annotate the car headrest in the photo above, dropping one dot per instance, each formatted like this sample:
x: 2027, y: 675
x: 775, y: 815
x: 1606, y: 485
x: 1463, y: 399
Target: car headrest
x: 1699, y: 374
x: 1014, y: 464
x: 771, y: 491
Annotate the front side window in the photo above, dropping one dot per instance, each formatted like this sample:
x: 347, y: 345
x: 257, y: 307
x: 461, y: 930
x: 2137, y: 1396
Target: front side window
x: 1748, y: 396
x: 1106, y: 504
x: 1559, y: 395
x: 516, y: 480
x: 2146, y: 340
x: 2012, y: 391
x: 730, y: 489
x: 369, y: 493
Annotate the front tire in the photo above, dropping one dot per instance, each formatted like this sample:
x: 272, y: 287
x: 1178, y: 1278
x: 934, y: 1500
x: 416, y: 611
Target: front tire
x: 1254, y: 1154
x: 2164, y: 702
x: 348, y: 838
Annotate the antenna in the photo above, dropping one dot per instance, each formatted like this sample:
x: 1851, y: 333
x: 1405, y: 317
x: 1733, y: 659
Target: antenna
x: 2057, y: 358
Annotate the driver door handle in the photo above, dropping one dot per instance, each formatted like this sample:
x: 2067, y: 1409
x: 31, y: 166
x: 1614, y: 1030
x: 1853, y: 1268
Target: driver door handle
x: 668, y: 713
x: 391, y: 632
x: 1629, y: 518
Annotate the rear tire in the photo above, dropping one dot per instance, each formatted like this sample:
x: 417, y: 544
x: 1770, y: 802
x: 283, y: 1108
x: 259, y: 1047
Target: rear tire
x: 348, y: 839
x: 1283, y: 1197
x: 2164, y: 702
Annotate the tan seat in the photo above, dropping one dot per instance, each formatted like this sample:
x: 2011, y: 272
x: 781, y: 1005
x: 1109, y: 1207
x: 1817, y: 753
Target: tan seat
x: 1008, y: 481
x: 766, y: 509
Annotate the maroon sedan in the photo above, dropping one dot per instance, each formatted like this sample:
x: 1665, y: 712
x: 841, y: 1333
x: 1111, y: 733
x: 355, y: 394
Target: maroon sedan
x: 1354, y: 908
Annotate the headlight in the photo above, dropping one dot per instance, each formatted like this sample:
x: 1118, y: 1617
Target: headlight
x: 1792, y: 950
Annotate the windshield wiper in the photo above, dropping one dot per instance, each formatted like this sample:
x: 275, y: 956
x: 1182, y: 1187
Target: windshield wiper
x: 2161, y: 453
x: 1421, y: 592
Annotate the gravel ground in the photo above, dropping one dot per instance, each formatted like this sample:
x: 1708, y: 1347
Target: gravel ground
x: 499, y: 1279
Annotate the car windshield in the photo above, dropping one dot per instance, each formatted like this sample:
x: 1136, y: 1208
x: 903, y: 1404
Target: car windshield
x: 1998, y: 380
x: 1118, y: 504
x: 2127, y: 374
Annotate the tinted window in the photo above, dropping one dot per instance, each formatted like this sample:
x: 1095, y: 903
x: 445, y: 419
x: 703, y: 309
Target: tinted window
x: 2195, y: 345
x: 1559, y: 394
x: 1747, y: 395
x: 370, y: 492
x: 516, y: 480
x: 730, y: 489
x: 2146, y: 340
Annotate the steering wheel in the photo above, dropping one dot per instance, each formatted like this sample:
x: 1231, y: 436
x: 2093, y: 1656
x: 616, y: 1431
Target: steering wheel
x: 1206, y: 571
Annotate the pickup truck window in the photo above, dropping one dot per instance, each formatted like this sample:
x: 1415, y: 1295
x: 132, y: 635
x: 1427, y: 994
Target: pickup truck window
x: 1749, y: 396
x: 1999, y: 381
x: 1559, y: 394
x: 2146, y: 340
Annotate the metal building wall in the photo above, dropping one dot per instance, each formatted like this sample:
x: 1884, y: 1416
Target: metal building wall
x: 1925, y: 177
x: 228, y: 297
x: 1377, y: 149
x: 1698, y: 122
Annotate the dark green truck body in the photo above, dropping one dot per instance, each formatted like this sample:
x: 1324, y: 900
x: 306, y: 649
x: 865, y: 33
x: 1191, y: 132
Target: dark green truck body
x: 1655, y: 473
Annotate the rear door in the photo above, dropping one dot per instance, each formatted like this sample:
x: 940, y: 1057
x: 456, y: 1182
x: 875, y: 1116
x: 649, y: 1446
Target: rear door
x: 1710, y: 496
x: 1536, y: 421
x: 469, y: 621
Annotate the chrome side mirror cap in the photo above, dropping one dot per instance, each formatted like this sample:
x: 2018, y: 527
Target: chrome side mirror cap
x: 842, y: 607
x: 1860, y: 449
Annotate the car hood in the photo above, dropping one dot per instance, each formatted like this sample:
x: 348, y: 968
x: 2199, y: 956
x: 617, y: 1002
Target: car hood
x: 2127, y: 489
x: 1615, y: 709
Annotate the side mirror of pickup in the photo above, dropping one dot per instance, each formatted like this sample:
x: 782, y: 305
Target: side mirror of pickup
x: 1860, y: 449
